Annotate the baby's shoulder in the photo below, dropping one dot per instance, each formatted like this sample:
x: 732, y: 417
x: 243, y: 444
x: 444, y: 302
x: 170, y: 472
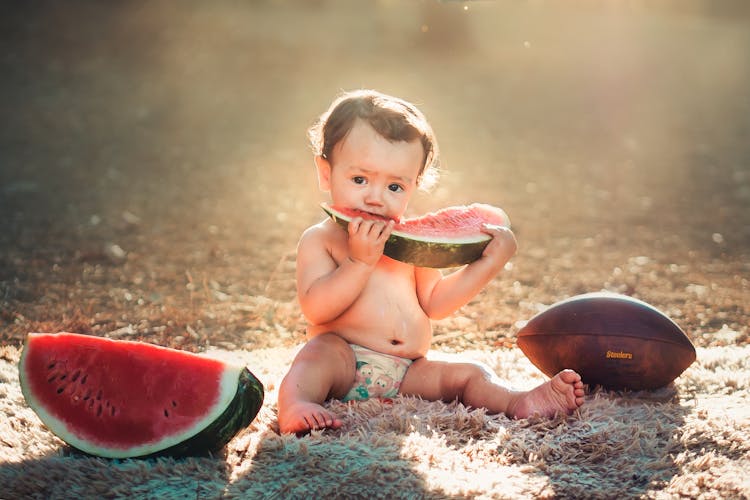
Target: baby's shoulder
x: 325, y: 232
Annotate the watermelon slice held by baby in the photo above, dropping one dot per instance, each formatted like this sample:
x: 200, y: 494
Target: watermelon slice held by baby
x: 449, y: 237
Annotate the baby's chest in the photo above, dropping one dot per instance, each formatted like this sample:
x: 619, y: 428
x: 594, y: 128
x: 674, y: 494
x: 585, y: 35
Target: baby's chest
x: 393, y: 271
x: 392, y: 281
x: 389, y: 301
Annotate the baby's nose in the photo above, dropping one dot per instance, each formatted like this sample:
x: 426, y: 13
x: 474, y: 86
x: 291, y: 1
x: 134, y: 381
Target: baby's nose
x: 374, y: 197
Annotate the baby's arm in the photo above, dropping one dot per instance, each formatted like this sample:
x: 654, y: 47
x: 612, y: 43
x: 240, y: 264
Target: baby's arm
x: 441, y: 296
x: 326, y: 288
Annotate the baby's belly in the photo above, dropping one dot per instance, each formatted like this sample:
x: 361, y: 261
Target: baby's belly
x: 397, y: 327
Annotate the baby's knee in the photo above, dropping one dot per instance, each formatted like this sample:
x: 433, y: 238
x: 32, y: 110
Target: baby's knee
x: 328, y: 346
x: 479, y: 372
x: 328, y: 340
x: 465, y: 376
x: 474, y: 370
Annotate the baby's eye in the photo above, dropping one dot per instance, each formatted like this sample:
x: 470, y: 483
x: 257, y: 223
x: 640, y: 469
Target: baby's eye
x: 358, y: 179
x: 396, y: 188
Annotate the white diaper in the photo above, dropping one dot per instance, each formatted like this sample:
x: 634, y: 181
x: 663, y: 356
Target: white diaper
x: 378, y: 375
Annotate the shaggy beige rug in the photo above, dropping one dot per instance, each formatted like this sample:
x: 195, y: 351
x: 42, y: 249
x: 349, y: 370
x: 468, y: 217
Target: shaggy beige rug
x: 692, y: 439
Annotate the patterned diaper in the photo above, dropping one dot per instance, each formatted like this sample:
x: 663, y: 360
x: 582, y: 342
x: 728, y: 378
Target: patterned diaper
x: 378, y: 375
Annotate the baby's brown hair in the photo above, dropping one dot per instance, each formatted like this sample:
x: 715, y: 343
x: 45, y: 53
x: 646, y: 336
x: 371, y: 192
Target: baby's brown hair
x: 393, y: 118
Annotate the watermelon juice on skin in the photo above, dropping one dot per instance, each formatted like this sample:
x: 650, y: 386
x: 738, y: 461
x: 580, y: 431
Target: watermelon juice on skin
x: 450, y: 237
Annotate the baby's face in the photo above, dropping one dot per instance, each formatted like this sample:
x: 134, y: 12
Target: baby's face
x: 370, y: 173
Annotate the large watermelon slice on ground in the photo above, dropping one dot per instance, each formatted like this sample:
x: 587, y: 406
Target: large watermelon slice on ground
x: 449, y: 237
x: 119, y: 399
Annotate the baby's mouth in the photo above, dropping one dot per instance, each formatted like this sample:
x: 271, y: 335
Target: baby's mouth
x: 377, y: 216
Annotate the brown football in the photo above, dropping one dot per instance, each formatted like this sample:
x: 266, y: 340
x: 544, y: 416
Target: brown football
x: 611, y: 340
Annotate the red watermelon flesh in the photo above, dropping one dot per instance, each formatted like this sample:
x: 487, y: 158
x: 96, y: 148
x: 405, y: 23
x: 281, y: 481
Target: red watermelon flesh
x: 451, y: 224
x: 450, y: 237
x: 120, y: 398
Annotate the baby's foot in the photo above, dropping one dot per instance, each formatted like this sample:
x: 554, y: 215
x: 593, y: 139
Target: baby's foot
x: 563, y: 394
x: 302, y: 417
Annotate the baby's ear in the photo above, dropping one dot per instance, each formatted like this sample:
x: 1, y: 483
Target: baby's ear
x: 324, y: 173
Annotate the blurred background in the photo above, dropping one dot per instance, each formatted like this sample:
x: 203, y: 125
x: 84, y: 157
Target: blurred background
x: 154, y: 162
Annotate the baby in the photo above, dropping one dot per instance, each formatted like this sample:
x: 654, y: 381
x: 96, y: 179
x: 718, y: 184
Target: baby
x: 369, y: 316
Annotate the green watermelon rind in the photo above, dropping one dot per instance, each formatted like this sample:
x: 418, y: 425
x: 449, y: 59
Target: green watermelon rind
x: 239, y: 414
x: 241, y: 397
x: 425, y: 252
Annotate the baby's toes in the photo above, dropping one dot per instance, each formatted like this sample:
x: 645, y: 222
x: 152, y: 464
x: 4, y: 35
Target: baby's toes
x: 570, y: 377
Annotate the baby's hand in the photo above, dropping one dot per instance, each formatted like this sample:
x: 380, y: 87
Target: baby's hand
x: 501, y: 247
x: 367, y: 239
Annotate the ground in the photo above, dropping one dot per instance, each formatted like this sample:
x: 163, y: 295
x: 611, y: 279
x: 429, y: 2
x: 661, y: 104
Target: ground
x: 155, y: 175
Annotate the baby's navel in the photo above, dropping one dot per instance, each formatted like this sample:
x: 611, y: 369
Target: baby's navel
x: 396, y: 342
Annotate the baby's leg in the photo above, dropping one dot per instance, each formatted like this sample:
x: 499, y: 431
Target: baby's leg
x: 324, y: 368
x: 476, y: 386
